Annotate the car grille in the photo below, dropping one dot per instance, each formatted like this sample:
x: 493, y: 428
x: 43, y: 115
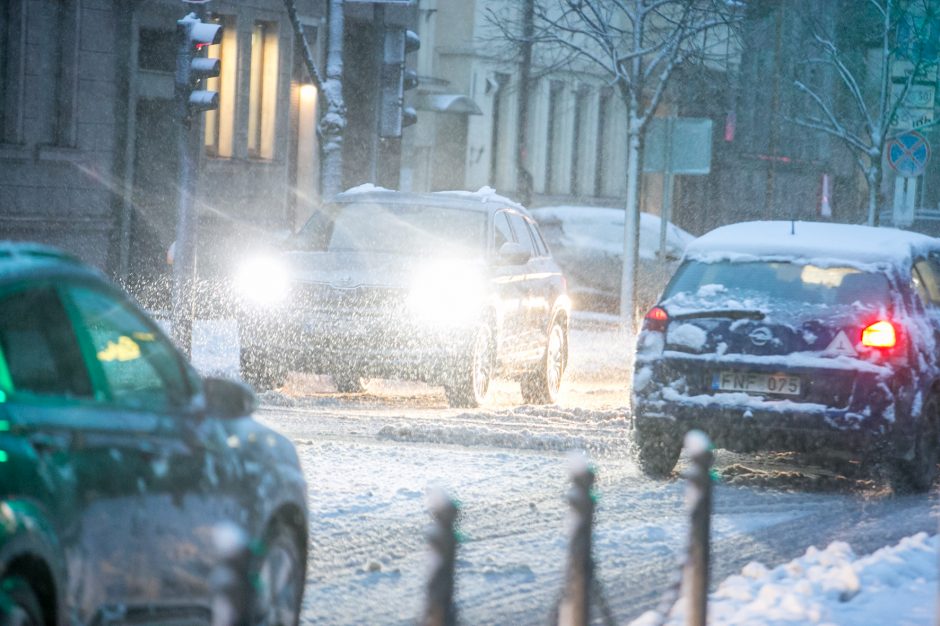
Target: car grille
x: 367, y: 301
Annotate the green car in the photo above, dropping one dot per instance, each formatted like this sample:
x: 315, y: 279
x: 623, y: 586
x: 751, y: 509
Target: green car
x: 131, y: 490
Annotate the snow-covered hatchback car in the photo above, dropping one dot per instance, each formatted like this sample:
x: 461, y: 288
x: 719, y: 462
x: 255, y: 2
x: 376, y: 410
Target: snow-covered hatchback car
x: 807, y: 337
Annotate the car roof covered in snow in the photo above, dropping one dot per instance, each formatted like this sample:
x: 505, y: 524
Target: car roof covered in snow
x: 484, y: 199
x: 19, y: 260
x: 819, y: 243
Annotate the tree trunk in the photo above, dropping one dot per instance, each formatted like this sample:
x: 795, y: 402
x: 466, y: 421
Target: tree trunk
x: 874, y: 193
x: 631, y: 227
x: 333, y: 123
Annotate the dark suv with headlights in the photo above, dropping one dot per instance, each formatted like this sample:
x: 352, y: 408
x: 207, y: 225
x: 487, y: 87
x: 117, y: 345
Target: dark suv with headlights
x: 808, y: 337
x: 450, y: 288
x: 121, y: 469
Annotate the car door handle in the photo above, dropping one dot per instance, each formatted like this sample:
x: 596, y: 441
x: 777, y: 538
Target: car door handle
x: 50, y: 442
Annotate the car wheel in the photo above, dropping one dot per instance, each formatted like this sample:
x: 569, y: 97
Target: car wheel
x: 348, y: 382
x: 469, y: 384
x: 657, y: 452
x: 918, y: 474
x: 278, y: 579
x: 542, y: 384
x: 19, y: 605
x: 260, y: 370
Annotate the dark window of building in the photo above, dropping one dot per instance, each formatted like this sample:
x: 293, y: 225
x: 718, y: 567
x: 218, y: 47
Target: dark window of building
x: 12, y: 69
x: 580, y: 104
x: 601, y: 156
x: 157, y: 50
x: 554, y: 124
x: 66, y: 88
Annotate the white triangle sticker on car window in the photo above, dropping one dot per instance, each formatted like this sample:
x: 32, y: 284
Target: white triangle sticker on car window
x: 841, y: 345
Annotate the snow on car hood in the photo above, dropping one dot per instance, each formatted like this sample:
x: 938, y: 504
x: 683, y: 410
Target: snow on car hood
x: 352, y: 268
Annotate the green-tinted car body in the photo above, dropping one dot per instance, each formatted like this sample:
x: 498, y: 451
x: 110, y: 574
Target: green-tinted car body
x: 122, y: 472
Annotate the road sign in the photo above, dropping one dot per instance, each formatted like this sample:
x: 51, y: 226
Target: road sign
x: 689, y: 142
x: 908, y: 153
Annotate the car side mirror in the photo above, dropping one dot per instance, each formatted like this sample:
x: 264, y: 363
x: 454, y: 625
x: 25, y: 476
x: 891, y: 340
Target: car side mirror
x: 514, y: 253
x: 228, y: 398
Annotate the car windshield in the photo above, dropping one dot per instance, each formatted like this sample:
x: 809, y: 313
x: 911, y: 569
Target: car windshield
x: 780, y: 281
x: 416, y: 230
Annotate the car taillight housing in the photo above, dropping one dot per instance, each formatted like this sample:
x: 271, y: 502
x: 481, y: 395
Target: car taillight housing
x: 880, y: 334
x: 656, y: 319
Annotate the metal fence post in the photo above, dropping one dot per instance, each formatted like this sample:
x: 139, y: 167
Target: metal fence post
x: 699, y: 499
x: 439, y: 609
x: 575, y: 606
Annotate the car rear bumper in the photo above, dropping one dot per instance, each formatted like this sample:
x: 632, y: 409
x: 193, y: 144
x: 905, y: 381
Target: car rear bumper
x: 838, y: 408
x: 777, y: 425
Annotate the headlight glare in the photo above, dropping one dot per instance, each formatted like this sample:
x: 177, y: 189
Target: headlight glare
x: 446, y: 293
x: 262, y: 280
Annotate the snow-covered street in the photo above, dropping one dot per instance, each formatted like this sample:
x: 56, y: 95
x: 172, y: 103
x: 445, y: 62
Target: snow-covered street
x: 371, y: 458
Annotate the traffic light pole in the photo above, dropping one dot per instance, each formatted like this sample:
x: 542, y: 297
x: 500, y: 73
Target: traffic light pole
x: 184, y: 248
x: 192, y: 34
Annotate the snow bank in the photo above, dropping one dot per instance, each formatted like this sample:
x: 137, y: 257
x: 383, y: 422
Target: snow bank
x: 895, y: 585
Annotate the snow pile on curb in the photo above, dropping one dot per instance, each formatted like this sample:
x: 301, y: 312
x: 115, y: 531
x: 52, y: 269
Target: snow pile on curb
x: 895, y: 585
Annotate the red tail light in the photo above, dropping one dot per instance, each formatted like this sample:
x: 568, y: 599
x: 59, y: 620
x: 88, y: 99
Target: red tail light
x: 881, y: 334
x: 656, y: 319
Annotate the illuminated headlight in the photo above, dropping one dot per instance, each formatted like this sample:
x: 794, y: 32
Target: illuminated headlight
x: 262, y: 280
x: 446, y: 293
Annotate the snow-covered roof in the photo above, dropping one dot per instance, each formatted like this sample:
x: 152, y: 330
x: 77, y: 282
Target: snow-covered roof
x: 821, y: 243
x: 482, y: 195
x: 602, y: 227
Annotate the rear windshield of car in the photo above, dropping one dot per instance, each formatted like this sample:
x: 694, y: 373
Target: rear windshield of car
x: 404, y: 229
x: 791, y: 282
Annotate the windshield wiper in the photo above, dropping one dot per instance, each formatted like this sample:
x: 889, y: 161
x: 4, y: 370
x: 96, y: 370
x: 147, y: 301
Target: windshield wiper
x: 732, y: 314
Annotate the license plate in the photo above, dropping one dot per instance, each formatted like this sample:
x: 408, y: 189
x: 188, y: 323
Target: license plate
x: 752, y: 382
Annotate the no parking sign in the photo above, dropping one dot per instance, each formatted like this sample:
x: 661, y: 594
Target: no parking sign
x: 908, y: 154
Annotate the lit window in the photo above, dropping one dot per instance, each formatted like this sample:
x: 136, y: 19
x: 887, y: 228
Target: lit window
x: 220, y: 123
x: 262, y: 92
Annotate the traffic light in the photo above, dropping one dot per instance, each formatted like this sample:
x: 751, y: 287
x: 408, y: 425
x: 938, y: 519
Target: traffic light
x: 393, y: 115
x: 191, y: 67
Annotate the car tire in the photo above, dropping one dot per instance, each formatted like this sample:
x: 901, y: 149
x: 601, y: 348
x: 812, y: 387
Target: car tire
x: 278, y: 578
x: 348, y: 382
x: 657, y: 452
x: 918, y: 474
x: 541, y: 385
x: 24, y: 608
x: 260, y: 370
x: 470, y: 381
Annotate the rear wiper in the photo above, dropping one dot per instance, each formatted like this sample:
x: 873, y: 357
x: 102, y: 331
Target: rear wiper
x: 732, y: 314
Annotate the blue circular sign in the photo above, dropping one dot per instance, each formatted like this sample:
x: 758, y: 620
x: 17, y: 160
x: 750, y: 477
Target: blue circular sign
x: 908, y: 154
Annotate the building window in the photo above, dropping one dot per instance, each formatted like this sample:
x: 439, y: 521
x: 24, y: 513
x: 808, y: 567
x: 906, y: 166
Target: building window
x: 156, y: 50
x: 220, y: 123
x: 12, y: 69
x: 66, y: 95
x: 580, y: 108
x: 262, y: 90
x: 602, y: 154
x: 556, y: 91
